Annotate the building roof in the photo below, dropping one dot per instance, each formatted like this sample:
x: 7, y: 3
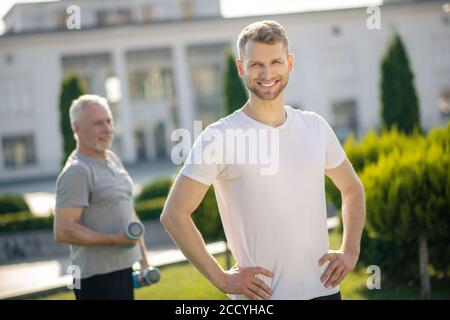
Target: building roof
x: 390, y: 3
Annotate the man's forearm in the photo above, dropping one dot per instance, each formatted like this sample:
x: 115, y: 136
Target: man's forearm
x: 353, y: 216
x: 143, y: 248
x: 77, y: 234
x: 187, y: 237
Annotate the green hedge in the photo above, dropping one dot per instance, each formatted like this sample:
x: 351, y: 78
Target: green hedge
x: 11, y: 202
x: 156, y: 189
x: 207, y: 218
x: 21, y: 221
x: 370, y: 149
x: 407, y: 198
x: 407, y: 185
x: 150, y: 209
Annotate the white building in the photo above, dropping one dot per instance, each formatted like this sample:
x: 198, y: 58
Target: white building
x: 168, y: 57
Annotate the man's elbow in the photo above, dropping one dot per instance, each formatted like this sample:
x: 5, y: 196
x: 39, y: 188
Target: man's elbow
x: 57, y: 236
x: 170, y: 218
x: 60, y: 235
x: 360, y: 189
x: 356, y: 189
x: 166, y: 219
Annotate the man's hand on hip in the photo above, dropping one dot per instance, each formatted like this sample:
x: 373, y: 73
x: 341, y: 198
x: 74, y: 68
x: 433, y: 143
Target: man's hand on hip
x: 341, y: 263
x: 244, y: 281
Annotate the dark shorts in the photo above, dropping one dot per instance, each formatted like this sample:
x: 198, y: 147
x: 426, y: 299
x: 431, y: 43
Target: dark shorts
x: 336, y: 296
x: 117, y: 285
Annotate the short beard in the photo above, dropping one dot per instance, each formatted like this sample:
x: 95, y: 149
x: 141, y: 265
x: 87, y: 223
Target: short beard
x: 98, y: 147
x: 263, y: 96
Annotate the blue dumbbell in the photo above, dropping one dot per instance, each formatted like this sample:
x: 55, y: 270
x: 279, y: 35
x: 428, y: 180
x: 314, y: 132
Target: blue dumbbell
x: 134, y: 230
x: 147, y: 277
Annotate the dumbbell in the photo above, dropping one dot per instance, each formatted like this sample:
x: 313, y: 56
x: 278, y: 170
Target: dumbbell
x: 147, y: 277
x: 134, y: 230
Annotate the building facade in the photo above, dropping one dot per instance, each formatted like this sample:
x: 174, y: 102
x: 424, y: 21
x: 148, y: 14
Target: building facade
x: 161, y: 65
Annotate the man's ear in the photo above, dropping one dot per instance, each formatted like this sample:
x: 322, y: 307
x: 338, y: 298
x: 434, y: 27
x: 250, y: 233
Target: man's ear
x: 290, y: 62
x: 240, y: 67
x: 75, y: 128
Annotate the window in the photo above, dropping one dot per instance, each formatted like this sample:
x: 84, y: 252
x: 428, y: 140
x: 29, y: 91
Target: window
x: 207, y: 67
x: 153, y: 84
x: 18, y: 151
x: 207, y: 80
x: 345, y: 118
x: 102, y: 18
x: 140, y: 143
x: 107, y: 18
x: 123, y: 16
x: 146, y: 14
x: 443, y: 102
x: 93, y: 69
x: 16, y: 96
x: 186, y: 9
x: 60, y: 16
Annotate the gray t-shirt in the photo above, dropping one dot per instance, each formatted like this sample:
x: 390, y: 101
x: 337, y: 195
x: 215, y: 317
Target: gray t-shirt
x: 104, y: 189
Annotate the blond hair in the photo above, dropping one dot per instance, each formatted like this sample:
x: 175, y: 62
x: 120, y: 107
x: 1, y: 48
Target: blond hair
x: 266, y: 31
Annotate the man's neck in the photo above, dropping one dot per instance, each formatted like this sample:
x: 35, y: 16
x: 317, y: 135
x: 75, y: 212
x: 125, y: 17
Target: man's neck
x: 86, y: 152
x: 271, y: 113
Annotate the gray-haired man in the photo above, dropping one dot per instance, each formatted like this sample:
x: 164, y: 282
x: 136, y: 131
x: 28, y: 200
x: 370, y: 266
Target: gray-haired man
x: 94, y: 204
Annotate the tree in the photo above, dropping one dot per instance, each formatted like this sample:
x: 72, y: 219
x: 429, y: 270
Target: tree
x: 399, y: 103
x: 72, y: 87
x: 407, y: 201
x: 234, y: 90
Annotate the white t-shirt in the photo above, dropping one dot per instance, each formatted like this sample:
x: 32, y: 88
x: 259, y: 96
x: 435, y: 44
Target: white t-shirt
x: 275, y: 219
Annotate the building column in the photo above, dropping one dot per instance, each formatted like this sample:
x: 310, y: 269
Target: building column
x: 125, y: 121
x: 184, y: 89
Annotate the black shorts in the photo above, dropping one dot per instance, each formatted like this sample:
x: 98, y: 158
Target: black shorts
x: 117, y: 285
x: 336, y: 296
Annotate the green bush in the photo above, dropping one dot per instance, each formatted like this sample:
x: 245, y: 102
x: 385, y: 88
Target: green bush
x: 12, y: 203
x: 407, y: 197
x: 396, y: 259
x: 207, y: 218
x: 420, y: 165
x: 150, y: 209
x: 370, y: 149
x: 156, y: 189
x: 21, y: 221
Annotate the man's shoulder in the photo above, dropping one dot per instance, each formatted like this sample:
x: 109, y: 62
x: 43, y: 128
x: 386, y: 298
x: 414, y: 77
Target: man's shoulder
x: 75, y: 168
x: 114, y: 157
x: 306, y: 115
x: 228, y: 122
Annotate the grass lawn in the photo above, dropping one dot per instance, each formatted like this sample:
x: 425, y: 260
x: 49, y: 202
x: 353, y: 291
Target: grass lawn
x: 178, y: 282
x: 183, y: 281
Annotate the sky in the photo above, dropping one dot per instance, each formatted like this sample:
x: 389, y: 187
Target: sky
x: 235, y: 8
